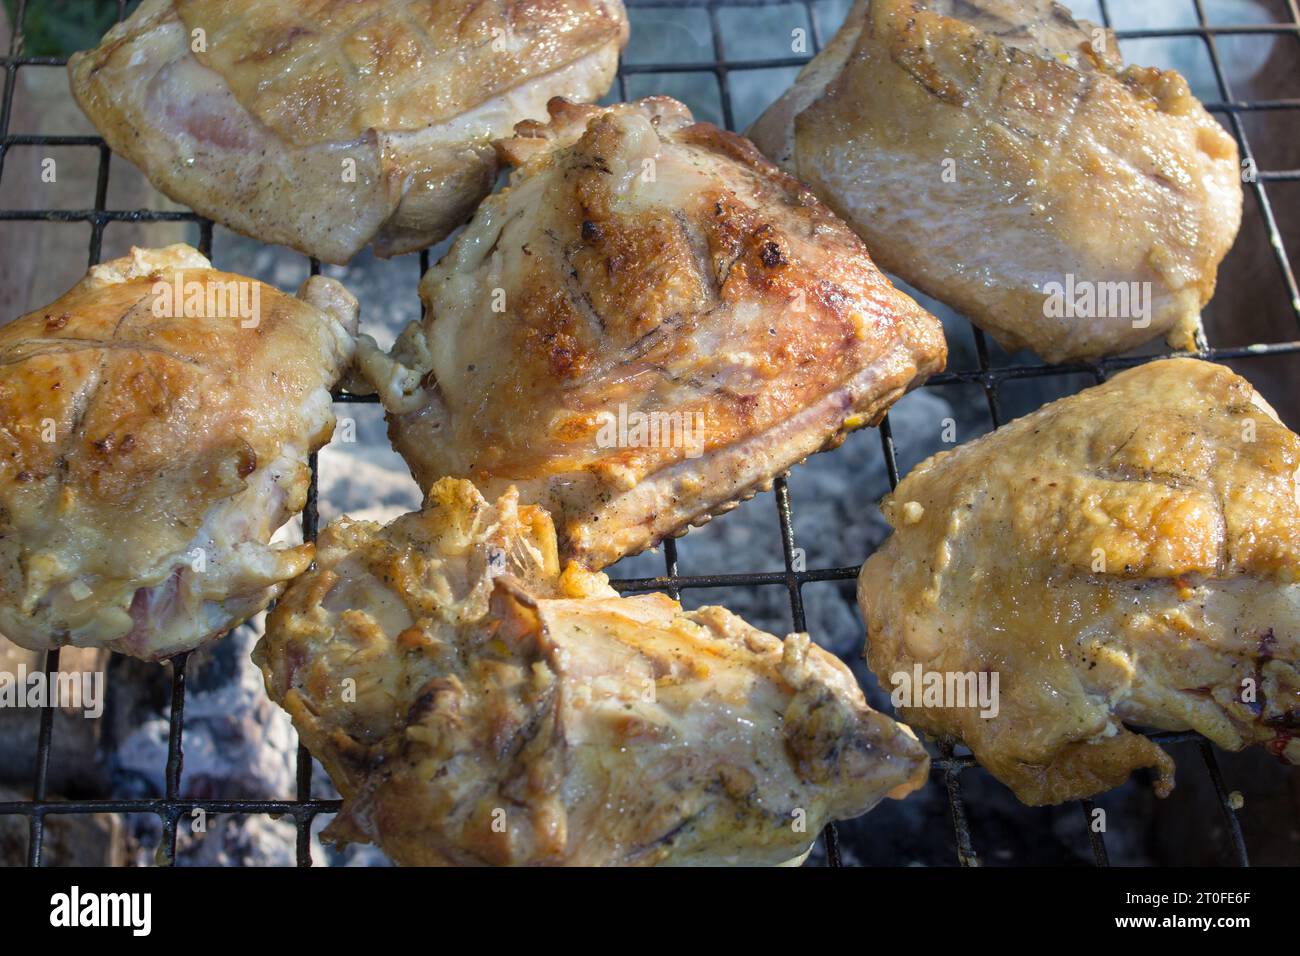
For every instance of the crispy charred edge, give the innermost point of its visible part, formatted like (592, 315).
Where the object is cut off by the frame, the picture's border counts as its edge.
(602, 23)
(1083, 768)
(906, 36)
(143, 262)
(83, 65)
(745, 154)
(291, 626)
(828, 737)
(569, 121)
(853, 421)
(535, 139)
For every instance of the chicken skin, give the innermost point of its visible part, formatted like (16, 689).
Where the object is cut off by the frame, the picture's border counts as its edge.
(329, 125)
(649, 324)
(476, 705)
(998, 155)
(1127, 555)
(155, 424)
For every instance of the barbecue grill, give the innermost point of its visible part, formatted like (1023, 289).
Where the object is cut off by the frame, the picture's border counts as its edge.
(988, 375)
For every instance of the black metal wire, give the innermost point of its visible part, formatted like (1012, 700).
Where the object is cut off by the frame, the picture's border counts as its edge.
(949, 765)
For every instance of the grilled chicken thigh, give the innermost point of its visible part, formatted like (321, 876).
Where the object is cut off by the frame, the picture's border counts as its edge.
(476, 705)
(999, 156)
(650, 323)
(155, 423)
(328, 125)
(1128, 555)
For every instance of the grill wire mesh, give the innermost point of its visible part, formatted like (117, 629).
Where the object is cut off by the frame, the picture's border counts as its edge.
(949, 766)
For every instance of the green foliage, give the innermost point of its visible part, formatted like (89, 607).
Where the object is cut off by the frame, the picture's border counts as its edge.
(61, 27)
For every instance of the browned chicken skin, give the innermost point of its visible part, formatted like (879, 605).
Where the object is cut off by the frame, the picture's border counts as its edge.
(1128, 555)
(147, 455)
(474, 705)
(649, 324)
(331, 124)
(998, 155)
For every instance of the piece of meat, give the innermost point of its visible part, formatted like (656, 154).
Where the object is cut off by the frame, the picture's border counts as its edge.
(330, 125)
(475, 705)
(1127, 555)
(999, 156)
(651, 323)
(155, 425)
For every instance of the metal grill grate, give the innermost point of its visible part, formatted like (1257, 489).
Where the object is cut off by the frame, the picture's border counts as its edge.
(949, 767)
